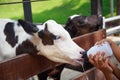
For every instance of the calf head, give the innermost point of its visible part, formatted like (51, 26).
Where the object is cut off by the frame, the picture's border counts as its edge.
(79, 25)
(53, 41)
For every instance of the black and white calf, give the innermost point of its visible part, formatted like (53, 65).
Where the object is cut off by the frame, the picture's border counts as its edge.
(78, 25)
(50, 40)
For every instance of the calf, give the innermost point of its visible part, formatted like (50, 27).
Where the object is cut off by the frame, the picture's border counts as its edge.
(50, 40)
(78, 25)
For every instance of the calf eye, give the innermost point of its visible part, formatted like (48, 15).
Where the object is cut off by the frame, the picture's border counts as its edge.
(58, 37)
(55, 37)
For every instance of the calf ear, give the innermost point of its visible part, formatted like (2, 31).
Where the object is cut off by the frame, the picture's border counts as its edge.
(28, 27)
(54, 37)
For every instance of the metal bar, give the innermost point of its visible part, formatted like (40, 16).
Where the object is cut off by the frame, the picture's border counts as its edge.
(93, 7)
(103, 23)
(113, 30)
(112, 18)
(89, 74)
(8, 3)
(111, 7)
(27, 11)
(118, 7)
(99, 8)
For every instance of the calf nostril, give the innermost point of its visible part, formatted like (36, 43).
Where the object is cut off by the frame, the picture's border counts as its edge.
(84, 54)
(81, 52)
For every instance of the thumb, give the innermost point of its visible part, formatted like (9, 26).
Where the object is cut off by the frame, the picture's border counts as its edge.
(107, 59)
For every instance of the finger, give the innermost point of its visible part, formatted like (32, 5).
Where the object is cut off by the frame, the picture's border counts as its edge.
(104, 40)
(100, 42)
(91, 56)
(107, 60)
(91, 59)
(101, 60)
(110, 65)
(97, 43)
(96, 56)
(102, 53)
(101, 56)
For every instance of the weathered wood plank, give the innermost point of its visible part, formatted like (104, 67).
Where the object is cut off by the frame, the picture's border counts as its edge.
(88, 40)
(23, 67)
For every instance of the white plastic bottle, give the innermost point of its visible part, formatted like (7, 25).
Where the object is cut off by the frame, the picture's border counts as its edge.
(104, 47)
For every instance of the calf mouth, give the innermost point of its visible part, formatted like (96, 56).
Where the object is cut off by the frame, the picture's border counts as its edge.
(83, 62)
(82, 59)
(77, 62)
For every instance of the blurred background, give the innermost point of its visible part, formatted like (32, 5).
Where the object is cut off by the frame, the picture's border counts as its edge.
(58, 10)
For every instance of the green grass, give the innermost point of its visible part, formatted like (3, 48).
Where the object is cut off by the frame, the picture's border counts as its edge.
(58, 10)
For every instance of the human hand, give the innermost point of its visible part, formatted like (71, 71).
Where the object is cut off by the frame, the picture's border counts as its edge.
(100, 62)
(103, 41)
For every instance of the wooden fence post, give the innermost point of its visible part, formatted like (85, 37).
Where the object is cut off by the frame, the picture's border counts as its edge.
(27, 10)
(96, 7)
(118, 10)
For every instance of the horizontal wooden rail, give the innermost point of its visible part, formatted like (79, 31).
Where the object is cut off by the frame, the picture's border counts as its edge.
(24, 66)
(88, 40)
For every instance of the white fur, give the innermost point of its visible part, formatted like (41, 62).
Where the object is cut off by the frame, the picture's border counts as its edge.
(71, 17)
(6, 51)
(64, 49)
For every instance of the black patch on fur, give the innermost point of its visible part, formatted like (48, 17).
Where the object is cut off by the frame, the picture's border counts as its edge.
(26, 47)
(47, 37)
(70, 28)
(10, 34)
(80, 25)
(28, 27)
